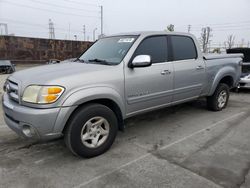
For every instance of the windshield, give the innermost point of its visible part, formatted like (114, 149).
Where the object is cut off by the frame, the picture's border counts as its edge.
(110, 51)
(4, 63)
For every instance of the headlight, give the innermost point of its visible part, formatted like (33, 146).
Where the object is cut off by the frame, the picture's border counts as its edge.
(5, 86)
(42, 94)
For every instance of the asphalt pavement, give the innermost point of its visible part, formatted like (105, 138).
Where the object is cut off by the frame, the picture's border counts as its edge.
(183, 146)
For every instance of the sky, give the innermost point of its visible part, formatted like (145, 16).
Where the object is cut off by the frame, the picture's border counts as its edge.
(31, 17)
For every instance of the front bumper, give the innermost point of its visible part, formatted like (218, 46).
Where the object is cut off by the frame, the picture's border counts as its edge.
(44, 124)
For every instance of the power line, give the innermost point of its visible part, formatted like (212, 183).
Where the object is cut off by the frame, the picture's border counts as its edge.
(228, 26)
(40, 25)
(24, 23)
(221, 27)
(214, 24)
(60, 6)
(80, 3)
(47, 10)
(224, 29)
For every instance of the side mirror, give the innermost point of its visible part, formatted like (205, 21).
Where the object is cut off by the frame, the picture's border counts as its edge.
(141, 61)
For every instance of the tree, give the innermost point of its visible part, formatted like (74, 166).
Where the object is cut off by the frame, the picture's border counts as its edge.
(217, 50)
(170, 28)
(205, 38)
(230, 41)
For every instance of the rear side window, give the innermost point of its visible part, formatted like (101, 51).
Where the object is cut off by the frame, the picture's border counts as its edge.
(183, 48)
(156, 47)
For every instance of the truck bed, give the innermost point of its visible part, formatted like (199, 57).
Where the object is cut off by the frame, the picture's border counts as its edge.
(222, 56)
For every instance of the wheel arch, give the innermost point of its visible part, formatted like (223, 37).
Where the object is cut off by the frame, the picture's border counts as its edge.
(101, 95)
(104, 101)
(226, 76)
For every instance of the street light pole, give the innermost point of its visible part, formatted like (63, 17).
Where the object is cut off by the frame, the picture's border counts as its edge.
(94, 34)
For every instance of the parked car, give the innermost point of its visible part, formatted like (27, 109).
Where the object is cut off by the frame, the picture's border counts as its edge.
(245, 77)
(118, 77)
(53, 61)
(245, 81)
(68, 60)
(56, 61)
(6, 67)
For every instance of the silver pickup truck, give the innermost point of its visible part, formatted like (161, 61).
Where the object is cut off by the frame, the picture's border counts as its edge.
(119, 76)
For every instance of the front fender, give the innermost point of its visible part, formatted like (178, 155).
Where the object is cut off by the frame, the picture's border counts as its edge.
(94, 93)
(223, 72)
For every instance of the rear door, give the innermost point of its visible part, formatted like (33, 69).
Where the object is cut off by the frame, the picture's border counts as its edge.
(150, 87)
(189, 69)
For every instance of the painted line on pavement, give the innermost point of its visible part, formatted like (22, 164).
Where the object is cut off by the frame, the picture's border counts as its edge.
(164, 147)
(3, 126)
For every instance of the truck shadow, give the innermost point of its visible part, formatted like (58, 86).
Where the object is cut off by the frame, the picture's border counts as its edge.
(12, 145)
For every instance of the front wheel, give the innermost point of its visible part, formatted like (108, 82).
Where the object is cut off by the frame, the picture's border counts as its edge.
(219, 99)
(91, 131)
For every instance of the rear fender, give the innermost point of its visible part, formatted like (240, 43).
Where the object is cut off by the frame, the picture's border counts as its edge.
(222, 73)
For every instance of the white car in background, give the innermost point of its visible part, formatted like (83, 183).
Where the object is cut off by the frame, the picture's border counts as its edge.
(245, 77)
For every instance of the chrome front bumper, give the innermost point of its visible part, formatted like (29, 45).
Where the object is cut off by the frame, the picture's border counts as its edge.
(44, 124)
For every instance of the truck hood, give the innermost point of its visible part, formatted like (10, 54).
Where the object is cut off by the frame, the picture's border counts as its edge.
(66, 74)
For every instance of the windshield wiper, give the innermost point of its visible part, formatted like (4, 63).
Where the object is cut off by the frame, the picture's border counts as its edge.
(100, 61)
(97, 60)
(80, 60)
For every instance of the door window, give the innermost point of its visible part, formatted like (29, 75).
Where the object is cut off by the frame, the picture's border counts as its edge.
(156, 47)
(183, 48)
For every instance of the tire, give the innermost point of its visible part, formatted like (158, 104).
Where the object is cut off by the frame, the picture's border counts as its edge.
(218, 101)
(87, 125)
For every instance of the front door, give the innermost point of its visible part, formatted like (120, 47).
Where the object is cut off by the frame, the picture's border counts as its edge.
(150, 87)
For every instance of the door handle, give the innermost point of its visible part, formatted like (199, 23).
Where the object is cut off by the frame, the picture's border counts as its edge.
(200, 67)
(166, 72)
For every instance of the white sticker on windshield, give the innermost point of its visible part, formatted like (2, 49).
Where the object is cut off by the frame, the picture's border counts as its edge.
(126, 40)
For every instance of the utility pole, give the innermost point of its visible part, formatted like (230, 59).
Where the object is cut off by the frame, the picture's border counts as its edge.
(69, 31)
(101, 21)
(94, 34)
(84, 32)
(51, 30)
(5, 28)
(189, 28)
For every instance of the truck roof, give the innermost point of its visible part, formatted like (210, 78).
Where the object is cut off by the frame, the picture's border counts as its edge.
(149, 33)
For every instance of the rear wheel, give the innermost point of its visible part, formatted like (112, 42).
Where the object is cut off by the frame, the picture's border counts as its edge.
(91, 131)
(219, 99)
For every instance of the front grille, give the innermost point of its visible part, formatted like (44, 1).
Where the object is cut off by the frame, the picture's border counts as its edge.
(12, 90)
